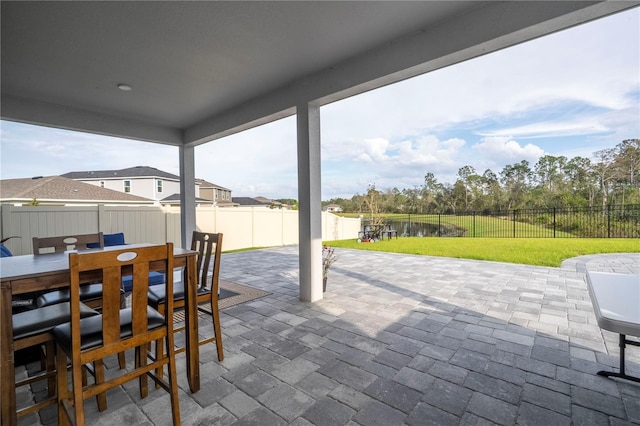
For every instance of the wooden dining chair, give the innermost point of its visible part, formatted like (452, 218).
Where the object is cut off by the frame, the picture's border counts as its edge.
(64, 243)
(90, 294)
(208, 246)
(33, 328)
(90, 340)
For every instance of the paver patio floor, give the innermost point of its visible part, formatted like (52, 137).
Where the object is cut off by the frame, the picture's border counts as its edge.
(402, 339)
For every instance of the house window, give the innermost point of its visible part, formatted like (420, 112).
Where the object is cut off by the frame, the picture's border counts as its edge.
(127, 186)
(159, 185)
(101, 184)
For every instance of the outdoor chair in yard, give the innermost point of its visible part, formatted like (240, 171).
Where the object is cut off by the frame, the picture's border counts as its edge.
(90, 340)
(207, 245)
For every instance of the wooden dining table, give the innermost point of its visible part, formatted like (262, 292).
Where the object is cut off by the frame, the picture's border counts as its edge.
(25, 274)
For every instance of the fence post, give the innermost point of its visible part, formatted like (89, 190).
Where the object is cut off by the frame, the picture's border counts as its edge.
(439, 226)
(409, 225)
(554, 222)
(474, 224)
(102, 219)
(514, 223)
(5, 221)
(609, 221)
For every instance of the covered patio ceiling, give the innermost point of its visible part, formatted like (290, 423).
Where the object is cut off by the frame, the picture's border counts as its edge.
(202, 70)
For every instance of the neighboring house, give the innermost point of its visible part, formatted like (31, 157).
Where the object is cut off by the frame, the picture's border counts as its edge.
(144, 181)
(274, 204)
(210, 191)
(58, 190)
(249, 202)
(333, 208)
(152, 183)
(174, 200)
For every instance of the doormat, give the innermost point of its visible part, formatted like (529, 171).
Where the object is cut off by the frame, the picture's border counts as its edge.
(231, 294)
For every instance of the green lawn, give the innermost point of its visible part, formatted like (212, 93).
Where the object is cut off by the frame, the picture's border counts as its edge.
(529, 251)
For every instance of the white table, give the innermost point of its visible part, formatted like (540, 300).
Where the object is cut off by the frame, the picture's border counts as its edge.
(616, 302)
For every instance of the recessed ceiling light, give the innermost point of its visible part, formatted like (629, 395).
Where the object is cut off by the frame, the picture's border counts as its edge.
(125, 87)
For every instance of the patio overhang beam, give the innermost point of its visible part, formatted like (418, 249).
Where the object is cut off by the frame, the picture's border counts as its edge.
(464, 37)
(36, 112)
(483, 29)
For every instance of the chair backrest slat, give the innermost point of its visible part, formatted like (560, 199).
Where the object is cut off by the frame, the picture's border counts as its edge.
(208, 246)
(110, 302)
(139, 298)
(67, 242)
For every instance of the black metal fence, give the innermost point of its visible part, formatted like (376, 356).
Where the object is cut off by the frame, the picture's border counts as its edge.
(611, 222)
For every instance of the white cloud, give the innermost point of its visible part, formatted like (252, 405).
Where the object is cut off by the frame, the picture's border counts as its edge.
(401, 164)
(595, 65)
(503, 150)
(428, 150)
(585, 126)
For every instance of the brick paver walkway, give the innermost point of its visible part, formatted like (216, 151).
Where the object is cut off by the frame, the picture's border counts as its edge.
(402, 339)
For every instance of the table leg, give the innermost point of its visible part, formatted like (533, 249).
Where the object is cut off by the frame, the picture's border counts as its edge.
(191, 325)
(7, 366)
(622, 374)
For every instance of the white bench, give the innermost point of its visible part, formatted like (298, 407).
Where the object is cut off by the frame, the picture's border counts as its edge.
(616, 302)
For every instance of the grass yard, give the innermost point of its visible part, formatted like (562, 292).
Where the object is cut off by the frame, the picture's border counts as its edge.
(529, 251)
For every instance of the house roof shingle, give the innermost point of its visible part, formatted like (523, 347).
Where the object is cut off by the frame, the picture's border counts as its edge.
(248, 201)
(131, 172)
(204, 184)
(175, 198)
(61, 188)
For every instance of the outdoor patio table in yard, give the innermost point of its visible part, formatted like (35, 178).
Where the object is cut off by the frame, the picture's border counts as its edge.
(29, 273)
(616, 302)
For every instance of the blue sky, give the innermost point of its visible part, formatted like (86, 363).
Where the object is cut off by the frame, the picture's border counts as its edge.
(571, 93)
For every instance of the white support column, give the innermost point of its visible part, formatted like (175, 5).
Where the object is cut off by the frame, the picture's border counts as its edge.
(187, 194)
(309, 195)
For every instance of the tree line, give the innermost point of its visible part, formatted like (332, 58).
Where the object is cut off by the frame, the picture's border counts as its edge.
(612, 177)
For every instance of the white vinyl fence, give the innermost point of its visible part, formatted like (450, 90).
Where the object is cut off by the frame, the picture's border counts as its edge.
(242, 227)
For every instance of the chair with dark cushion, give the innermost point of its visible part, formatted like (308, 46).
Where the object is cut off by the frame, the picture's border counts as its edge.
(117, 239)
(92, 339)
(91, 294)
(33, 328)
(207, 245)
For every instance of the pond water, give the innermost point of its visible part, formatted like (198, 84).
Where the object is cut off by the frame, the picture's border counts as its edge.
(413, 229)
